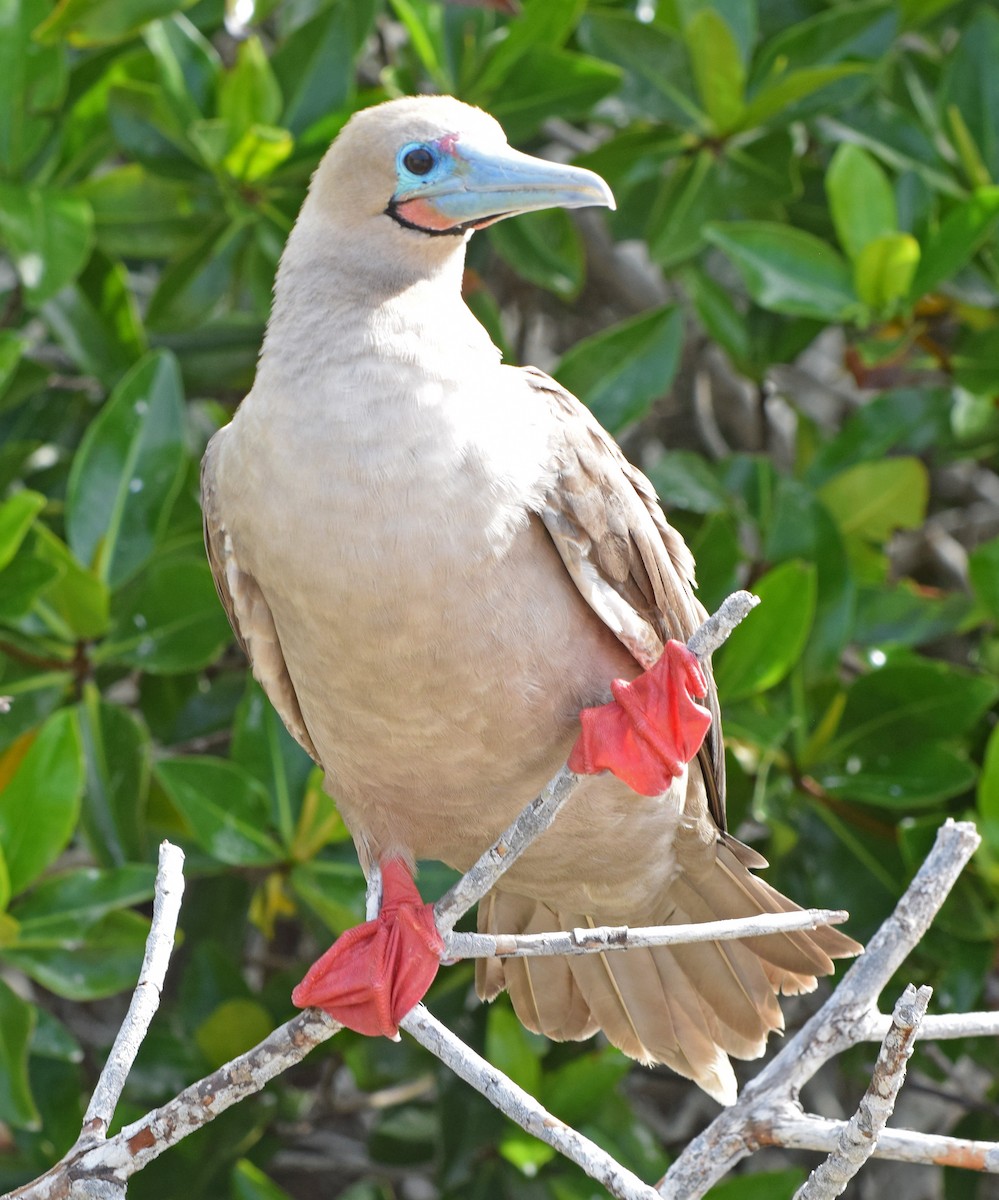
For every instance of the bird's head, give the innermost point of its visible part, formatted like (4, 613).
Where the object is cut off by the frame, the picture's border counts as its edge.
(430, 169)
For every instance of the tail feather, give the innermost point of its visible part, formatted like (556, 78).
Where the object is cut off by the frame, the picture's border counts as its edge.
(687, 1006)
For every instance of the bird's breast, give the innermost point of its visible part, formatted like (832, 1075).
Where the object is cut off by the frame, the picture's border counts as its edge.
(438, 648)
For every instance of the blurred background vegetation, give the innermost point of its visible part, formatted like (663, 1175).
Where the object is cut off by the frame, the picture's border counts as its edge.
(791, 322)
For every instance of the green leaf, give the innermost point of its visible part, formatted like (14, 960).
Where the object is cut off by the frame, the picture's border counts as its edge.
(988, 789)
(75, 900)
(117, 756)
(911, 702)
(32, 81)
(620, 372)
(959, 236)
(983, 567)
(976, 363)
(884, 270)
(718, 70)
(718, 314)
(75, 604)
(787, 270)
(99, 22)
(765, 1185)
(550, 83)
(17, 1025)
(544, 23)
(915, 777)
(334, 891)
(544, 248)
(314, 67)
(127, 471)
(764, 648)
(168, 619)
(101, 961)
(861, 199)
(48, 235)
(227, 809)
(250, 1183)
(233, 1028)
(40, 801)
(684, 480)
(249, 94)
(873, 499)
(97, 320)
(777, 96)
(512, 1049)
(262, 744)
(17, 515)
(258, 153)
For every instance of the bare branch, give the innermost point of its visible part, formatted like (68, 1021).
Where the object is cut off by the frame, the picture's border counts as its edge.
(789, 1127)
(860, 1135)
(844, 1020)
(940, 1028)
(521, 1107)
(623, 937)
(732, 610)
(145, 998)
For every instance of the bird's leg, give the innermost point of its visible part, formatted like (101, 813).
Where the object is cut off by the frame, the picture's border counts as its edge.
(373, 975)
(651, 730)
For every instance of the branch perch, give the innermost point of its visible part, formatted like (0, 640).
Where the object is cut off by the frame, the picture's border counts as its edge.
(765, 1114)
(859, 1138)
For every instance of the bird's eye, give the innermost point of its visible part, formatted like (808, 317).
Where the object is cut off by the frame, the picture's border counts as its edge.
(419, 161)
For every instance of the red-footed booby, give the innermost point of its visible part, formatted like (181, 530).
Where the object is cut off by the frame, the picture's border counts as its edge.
(434, 563)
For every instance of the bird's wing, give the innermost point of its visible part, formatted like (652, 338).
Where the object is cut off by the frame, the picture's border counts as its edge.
(629, 564)
(248, 612)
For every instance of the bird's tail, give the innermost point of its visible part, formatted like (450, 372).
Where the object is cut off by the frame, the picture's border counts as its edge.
(688, 1006)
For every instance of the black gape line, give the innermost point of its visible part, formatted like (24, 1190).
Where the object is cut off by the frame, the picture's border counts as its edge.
(392, 210)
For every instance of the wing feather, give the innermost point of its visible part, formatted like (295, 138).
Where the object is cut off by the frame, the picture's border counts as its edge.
(247, 609)
(629, 564)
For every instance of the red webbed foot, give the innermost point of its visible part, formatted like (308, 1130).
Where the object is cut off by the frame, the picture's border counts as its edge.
(652, 729)
(372, 976)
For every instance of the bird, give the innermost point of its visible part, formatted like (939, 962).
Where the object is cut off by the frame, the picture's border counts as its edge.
(435, 562)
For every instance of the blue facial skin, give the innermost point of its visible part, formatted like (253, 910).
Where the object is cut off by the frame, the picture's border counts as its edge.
(466, 186)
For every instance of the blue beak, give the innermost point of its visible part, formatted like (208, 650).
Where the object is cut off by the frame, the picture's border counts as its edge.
(468, 188)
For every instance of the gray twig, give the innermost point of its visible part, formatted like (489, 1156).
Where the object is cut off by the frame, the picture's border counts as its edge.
(145, 998)
(860, 1134)
(623, 937)
(522, 1108)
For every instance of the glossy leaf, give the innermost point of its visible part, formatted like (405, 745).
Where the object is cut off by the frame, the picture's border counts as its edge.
(168, 619)
(911, 702)
(959, 236)
(544, 248)
(787, 270)
(861, 200)
(76, 965)
(40, 799)
(117, 756)
(619, 373)
(225, 807)
(983, 567)
(232, 1029)
(249, 94)
(17, 515)
(48, 236)
(872, 500)
(884, 270)
(128, 470)
(717, 66)
(902, 780)
(17, 1024)
(97, 22)
(765, 647)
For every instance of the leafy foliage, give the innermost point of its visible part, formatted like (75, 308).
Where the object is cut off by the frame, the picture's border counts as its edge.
(802, 176)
